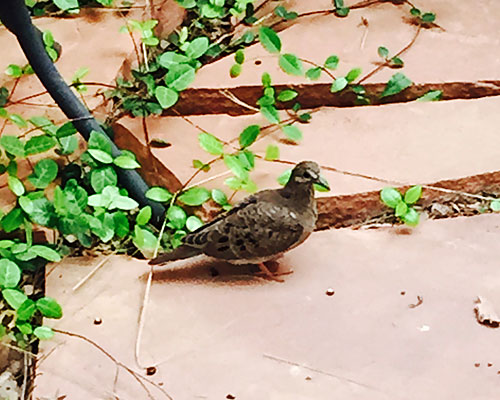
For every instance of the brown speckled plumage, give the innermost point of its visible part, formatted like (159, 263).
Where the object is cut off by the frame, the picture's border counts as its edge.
(261, 227)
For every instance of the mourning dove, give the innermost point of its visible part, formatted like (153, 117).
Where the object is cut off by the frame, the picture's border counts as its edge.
(260, 228)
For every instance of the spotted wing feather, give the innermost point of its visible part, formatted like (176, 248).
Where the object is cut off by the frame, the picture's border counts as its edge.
(253, 230)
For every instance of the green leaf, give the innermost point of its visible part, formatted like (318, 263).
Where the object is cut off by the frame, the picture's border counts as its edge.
(166, 97)
(68, 144)
(10, 274)
(332, 62)
(193, 223)
(180, 76)
(353, 74)
(39, 144)
(291, 64)
(12, 145)
(26, 310)
(159, 194)
(18, 120)
(390, 197)
(235, 165)
(143, 239)
(43, 332)
(14, 298)
(195, 196)
(239, 56)
(15, 185)
(171, 58)
(338, 85)
(269, 39)
(49, 307)
(219, 197)
(123, 203)
(413, 194)
(14, 70)
(429, 17)
(272, 152)
(80, 73)
(313, 73)
(285, 177)
(234, 183)
(197, 47)
(66, 130)
(396, 84)
(103, 177)
(415, 11)
(383, 52)
(248, 136)
(177, 217)
(122, 226)
(401, 209)
(292, 132)
(210, 144)
(67, 5)
(45, 252)
(431, 95)
(287, 95)
(396, 62)
(101, 156)
(44, 173)
(495, 205)
(235, 70)
(342, 12)
(24, 327)
(266, 79)
(411, 217)
(126, 162)
(13, 220)
(144, 215)
(99, 141)
(271, 114)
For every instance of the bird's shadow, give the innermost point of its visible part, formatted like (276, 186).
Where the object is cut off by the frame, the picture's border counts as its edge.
(212, 272)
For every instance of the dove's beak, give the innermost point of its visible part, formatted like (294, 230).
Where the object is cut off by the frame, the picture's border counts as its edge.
(323, 183)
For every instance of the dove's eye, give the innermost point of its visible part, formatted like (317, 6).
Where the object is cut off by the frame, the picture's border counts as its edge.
(310, 175)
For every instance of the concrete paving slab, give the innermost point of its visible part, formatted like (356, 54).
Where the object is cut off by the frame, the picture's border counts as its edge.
(409, 143)
(437, 56)
(211, 337)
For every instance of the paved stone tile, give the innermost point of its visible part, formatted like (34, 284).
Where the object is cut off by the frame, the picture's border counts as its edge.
(213, 336)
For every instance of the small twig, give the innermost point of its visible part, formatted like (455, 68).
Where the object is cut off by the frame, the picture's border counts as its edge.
(203, 181)
(139, 377)
(420, 300)
(325, 70)
(319, 371)
(226, 93)
(197, 172)
(29, 353)
(386, 63)
(145, 301)
(25, 376)
(87, 277)
(364, 22)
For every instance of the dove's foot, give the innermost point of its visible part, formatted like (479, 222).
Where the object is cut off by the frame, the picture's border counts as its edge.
(273, 276)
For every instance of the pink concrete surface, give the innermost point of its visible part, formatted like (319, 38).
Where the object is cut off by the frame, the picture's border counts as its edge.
(210, 337)
(463, 51)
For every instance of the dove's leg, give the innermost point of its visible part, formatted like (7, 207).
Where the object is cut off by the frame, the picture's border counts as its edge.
(272, 275)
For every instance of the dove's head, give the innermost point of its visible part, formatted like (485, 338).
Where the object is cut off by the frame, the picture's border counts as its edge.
(308, 172)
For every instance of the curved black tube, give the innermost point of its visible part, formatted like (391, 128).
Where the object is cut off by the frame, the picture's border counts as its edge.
(15, 16)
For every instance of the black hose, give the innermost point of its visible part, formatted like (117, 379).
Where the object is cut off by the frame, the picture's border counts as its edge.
(15, 16)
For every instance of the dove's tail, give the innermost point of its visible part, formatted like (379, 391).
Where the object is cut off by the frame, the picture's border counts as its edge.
(180, 253)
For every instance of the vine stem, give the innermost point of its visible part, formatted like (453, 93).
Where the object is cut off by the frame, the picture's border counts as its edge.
(400, 52)
(137, 376)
